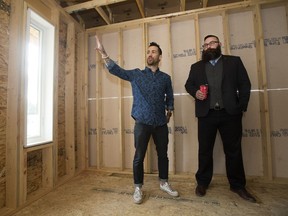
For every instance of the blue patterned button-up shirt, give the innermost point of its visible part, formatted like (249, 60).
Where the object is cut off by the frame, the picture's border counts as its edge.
(152, 93)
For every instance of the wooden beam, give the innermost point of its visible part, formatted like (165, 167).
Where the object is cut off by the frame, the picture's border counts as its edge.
(56, 23)
(103, 15)
(98, 111)
(22, 110)
(182, 5)
(82, 105)
(197, 37)
(69, 100)
(15, 68)
(90, 4)
(148, 158)
(110, 12)
(81, 21)
(141, 7)
(226, 31)
(172, 119)
(47, 167)
(120, 103)
(263, 96)
(204, 3)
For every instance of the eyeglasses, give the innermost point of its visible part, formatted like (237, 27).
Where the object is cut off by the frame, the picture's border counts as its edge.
(211, 43)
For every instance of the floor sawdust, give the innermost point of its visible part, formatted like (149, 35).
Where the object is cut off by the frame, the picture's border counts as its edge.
(101, 193)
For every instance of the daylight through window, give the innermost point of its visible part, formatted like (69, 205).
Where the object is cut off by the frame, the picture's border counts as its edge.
(39, 79)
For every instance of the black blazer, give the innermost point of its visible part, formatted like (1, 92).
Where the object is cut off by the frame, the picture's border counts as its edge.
(236, 86)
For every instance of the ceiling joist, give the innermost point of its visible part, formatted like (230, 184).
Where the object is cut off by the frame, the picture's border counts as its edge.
(104, 16)
(182, 5)
(141, 7)
(204, 3)
(90, 4)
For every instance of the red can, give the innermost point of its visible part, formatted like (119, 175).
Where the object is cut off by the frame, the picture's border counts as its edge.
(204, 89)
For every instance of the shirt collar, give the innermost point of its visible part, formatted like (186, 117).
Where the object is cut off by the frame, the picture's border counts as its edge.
(148, 69)
(214, 61)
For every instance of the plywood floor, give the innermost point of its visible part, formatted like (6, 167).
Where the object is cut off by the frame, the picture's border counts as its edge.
(102, 193)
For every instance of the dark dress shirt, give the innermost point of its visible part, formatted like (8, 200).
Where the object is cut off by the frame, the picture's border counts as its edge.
(152, 93)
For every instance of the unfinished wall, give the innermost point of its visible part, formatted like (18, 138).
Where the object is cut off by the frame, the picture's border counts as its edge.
(244, 45)
(34, 171)
(29, 173)
(4, 53)
(248, 31)
(276, 48)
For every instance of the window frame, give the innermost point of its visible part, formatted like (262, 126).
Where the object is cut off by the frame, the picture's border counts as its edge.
(46, 73)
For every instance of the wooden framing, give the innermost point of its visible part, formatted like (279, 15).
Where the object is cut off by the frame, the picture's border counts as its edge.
(141, 7)
(120, 104)
(223, 11)
(197, 36)
(265, 118)
(103, 14)
(16, 168)
(15, 66)
(171, 124)
(226, 31)
(182, 5)
(98, 111)
(76, 75)
(201, 12)
(147, 161)
(56, 20)
(90, 4)
(69, 100)
(82, 106)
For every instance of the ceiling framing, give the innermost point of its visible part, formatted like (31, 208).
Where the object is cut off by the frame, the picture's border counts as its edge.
(95, 13)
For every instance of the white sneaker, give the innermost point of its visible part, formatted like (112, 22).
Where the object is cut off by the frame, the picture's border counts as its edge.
(138, 195)
(167, 188)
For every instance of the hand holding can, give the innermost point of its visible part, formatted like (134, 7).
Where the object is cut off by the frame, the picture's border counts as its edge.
(204, 90)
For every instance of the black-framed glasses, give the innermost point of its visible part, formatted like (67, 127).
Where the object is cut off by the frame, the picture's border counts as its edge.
(211, 43)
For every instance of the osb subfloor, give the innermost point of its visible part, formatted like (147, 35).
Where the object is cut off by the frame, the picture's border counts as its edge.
(102, 193)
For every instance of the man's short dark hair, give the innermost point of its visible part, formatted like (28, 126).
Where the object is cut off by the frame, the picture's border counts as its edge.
(155, 44)
(211, 36)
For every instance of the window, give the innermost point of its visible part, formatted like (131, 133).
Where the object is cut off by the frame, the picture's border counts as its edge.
(39, 70)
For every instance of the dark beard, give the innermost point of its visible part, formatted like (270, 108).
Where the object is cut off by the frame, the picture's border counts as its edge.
(153, 63)
(211, 54)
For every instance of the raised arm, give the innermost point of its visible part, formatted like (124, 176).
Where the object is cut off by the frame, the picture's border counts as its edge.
(100, 48)
(111, 65)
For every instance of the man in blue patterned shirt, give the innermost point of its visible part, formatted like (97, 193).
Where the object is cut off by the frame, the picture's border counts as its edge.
(153, 103)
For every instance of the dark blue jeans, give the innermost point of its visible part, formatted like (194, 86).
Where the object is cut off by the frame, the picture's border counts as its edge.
(142, 134)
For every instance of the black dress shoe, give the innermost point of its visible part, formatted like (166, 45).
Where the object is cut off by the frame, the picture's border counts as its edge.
(200, 190)
(244, 194)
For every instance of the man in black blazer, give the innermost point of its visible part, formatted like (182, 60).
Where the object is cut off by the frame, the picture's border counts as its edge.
(220, 110)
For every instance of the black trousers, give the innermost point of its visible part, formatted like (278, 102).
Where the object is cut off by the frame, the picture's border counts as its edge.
(142, 134)
(230, 129)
